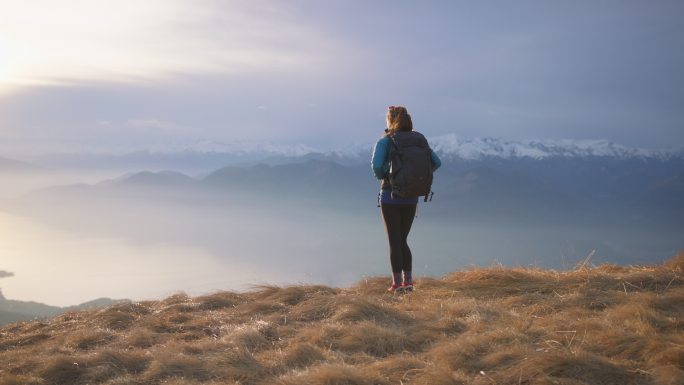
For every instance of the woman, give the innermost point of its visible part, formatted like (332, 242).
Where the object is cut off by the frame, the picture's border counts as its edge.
(397, 213)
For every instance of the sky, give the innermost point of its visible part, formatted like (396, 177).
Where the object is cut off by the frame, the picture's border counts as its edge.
(99, 75)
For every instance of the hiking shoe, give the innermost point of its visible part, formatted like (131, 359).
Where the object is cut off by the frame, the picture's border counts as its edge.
(407, 286)
(396, 289)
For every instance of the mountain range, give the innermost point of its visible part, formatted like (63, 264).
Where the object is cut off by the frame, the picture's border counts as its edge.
(627, 202)
(206, 155)
(478, 148)
(625, 187)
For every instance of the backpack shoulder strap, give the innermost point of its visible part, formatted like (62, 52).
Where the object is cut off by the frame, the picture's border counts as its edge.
(396, 143)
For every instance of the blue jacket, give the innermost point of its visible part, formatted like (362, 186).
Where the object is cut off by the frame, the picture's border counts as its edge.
(381, 165)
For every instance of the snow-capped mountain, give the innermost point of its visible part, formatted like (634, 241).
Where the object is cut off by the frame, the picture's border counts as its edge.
(208, 155)
(451, 146)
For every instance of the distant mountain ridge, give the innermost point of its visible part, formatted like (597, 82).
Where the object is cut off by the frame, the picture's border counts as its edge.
(478, 148)
(627, 207)
(449, 145)
(560, 189)
(208, 155)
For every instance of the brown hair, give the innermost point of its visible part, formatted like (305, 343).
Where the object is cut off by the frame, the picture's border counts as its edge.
(398, 119)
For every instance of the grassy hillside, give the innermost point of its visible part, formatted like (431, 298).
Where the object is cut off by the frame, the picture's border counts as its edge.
(604, 325)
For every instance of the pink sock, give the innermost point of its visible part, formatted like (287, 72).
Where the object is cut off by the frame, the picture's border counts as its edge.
(396, 279)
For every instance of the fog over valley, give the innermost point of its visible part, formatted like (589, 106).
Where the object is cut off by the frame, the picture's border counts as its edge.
(74, 234)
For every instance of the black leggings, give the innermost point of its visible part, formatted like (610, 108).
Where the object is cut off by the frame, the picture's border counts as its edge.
(398, 220)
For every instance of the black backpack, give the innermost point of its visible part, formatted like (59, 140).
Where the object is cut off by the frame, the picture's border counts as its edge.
(410, 174)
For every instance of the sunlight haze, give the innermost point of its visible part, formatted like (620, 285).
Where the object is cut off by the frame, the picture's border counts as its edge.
(73, 42)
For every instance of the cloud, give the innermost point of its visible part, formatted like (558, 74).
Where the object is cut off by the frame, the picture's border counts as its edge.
(139, 73)
(67, 42)
(5, 274)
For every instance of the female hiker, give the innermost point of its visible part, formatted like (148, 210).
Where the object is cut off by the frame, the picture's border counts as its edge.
(404, 162)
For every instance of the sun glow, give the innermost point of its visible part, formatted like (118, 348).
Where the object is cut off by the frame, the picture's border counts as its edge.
(47, 42)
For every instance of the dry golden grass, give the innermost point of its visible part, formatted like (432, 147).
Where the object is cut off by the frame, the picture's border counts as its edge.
(605, 325)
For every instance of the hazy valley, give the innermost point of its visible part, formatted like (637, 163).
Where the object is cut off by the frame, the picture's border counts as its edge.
(312, 218)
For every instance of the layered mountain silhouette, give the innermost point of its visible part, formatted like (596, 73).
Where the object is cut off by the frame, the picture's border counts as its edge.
(558, 189)
(207, 155)
(514, 208)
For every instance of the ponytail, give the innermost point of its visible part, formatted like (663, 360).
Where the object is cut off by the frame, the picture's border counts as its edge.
(398, 119)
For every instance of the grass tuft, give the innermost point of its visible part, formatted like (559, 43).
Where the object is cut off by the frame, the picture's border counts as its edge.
(13, 379)
(302, 355)
(166, 366)
(90, 339)
(329, 375)
(220, 300)
(63, 370)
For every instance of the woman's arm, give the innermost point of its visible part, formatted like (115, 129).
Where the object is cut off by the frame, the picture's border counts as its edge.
(379, 160)
(436, 162)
